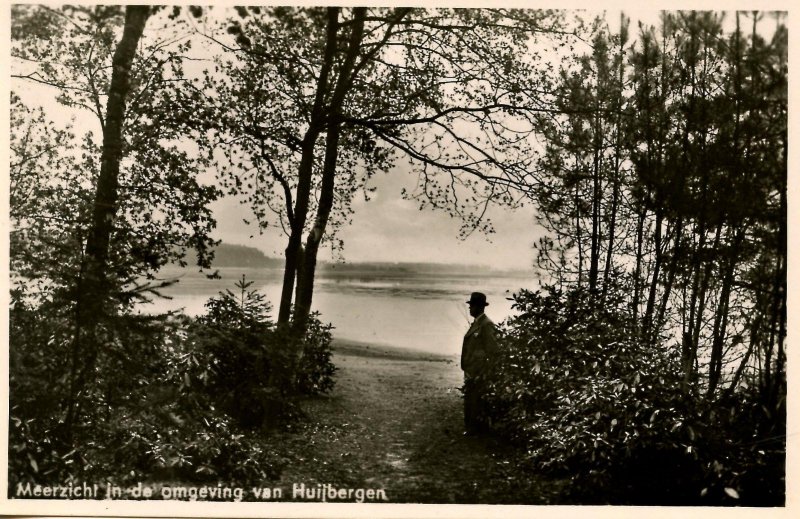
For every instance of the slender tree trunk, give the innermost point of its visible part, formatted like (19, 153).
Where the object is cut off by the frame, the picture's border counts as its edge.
(777, 336)
(700, 280)
(721, 320)
(696, 324)
(649, 326)
(612, 226)
(294, 248)
(777, 323)
(637, 282)
(672, 271)
(780, 282)
(695, 319)
(755, 339)
(579, 231)
(594, 258)
(687, 165)
(695, 287)
(93, 285)
(305, 284)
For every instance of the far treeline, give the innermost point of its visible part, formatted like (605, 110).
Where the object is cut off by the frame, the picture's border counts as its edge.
(232, 255)
(650, 368)
(229, 255)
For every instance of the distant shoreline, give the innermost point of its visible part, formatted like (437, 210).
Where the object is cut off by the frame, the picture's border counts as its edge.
(228, 255)
(364, 349)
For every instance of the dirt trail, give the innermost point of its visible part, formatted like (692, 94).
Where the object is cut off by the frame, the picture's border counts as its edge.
(396, 423)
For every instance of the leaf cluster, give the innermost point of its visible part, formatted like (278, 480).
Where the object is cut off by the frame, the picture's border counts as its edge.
(451, 90)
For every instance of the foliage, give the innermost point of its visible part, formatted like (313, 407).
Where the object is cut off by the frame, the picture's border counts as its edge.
(162, 207)
(172, 398)
(422, 80)
(315, 370)
(586, 398)
(667, 162)
(106, 213)
(49, 203)
(37, 354)
(577, 388)
(254, 367)
(741, 446)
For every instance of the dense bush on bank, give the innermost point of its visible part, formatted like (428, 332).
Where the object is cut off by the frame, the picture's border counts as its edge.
(171, 397)
(590, 401)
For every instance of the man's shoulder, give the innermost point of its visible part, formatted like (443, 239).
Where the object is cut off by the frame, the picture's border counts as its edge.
(485, 321)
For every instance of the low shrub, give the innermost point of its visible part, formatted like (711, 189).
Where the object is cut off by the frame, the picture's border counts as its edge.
(741, 448)
(315, 370)
(586, 399)
(254, 367)
(38, 381)
(583, 396)
(171, 398)
(150, 419)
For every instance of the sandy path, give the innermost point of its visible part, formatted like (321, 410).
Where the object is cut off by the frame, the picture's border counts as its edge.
(394, 421)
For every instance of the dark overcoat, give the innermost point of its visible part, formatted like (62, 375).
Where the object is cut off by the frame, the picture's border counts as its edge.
(479, 347)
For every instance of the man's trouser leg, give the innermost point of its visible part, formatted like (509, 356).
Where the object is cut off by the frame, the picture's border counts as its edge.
(471, 406)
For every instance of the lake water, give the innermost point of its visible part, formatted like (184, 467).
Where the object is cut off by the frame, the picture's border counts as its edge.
(418, 310)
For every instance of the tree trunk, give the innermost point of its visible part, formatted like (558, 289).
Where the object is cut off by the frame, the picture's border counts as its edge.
(617, 153)
(651, 298)
(721, 321)
(780, 281)
(612, 226)
(594, 258)
(578, 230)
(305, 282)
(93, 285)
(696, 324)
(305, 278)
(305, 171)
(755, 339)
(687, 345)
(777, 322)
(671, 273)
(637, 284)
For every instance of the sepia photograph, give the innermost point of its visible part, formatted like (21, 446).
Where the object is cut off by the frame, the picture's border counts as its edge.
(359, 258)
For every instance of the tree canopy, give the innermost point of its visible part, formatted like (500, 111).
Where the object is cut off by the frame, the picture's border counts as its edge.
(310, 103)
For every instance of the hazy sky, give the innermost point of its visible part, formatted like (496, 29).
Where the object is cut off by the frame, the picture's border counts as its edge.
(389, 228)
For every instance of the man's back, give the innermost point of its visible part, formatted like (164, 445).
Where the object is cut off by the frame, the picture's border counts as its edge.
(479, 346)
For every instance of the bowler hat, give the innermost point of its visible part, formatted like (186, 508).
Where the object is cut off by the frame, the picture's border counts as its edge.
(477, 298)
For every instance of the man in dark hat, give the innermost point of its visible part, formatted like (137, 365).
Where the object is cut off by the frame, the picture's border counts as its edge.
(480, 346)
